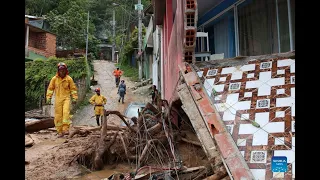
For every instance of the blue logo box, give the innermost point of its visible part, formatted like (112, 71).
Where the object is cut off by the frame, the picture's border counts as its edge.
(279, 164)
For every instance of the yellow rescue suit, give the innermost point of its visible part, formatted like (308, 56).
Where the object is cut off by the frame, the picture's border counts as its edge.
(63, 88)
(99, 101)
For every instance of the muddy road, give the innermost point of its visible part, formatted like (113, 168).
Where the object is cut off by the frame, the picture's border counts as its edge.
(52, 158)
(49, 155)
(106, 82)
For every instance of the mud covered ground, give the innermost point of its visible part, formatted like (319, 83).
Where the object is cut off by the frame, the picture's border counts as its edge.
(49, 157)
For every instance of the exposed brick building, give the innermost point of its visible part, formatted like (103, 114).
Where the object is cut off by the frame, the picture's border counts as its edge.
(39, 41)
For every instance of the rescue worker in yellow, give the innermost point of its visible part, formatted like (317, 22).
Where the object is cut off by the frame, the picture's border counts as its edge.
(98, 101)
(64, 87)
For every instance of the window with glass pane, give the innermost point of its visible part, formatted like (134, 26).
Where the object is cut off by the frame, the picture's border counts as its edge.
(283, 26)
(221, 34)
(257, 27)
(293, 20)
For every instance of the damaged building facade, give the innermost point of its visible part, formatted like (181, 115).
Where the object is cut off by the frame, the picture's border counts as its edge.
(234, 61)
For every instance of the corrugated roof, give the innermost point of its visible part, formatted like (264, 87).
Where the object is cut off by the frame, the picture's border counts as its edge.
(38, 29)
(33, 17)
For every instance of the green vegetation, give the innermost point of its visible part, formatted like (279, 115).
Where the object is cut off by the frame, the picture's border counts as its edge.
(68, 19)
(34, 56)
(131, 72)
(39, 72)
(83, 103)
(129, 47)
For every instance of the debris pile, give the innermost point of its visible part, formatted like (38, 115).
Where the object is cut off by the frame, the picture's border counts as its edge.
(151, 144)
(156, 147)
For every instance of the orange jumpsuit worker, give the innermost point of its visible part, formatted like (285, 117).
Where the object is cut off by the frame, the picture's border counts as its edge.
(64, 87)
(98, 101)
(117, 74)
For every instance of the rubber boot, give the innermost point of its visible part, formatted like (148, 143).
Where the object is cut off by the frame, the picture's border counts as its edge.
(97, 118)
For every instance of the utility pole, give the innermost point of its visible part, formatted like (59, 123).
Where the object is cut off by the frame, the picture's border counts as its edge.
(139, 40)
(27, 42)
(87, 38)
(113, 33)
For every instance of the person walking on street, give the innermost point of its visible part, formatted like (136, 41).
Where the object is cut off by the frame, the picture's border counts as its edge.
(98, 101)
(122, 91)
(154, 94)
(101, 56)
(63, 86)
(117, 74)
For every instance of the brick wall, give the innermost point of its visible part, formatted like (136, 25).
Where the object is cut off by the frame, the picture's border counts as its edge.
(51, 44)
(40, 52)
(42, 43)
(33, 36)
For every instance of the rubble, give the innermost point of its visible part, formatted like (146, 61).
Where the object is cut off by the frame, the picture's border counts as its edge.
(28, 141)
(142, 83)
(150, 139)
(154, 146)
(35, 121)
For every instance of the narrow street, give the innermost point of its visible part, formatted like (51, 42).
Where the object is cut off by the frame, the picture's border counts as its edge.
(103, 74)
(51, 157)
(48, 157)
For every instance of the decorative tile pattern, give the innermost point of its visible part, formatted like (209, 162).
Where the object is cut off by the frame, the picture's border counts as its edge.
(217, 98)
(281, 91)
(280, 114)
(258, 157)
(282, 71)
(234, 86)
(248, 94)
(278, 175)
(263, 103)
(244, 116)
(279, 141)
(200, 73)
(251, 75)
(230, 128)
(266, 95)
(212, 72)
(266, 65)
(242, 153)
(264, 83)
(293, 126)
(241, 142)
(222, 79)
(292, 80)
(259, 174)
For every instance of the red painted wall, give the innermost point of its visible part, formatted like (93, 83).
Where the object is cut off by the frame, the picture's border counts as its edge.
(173, 47)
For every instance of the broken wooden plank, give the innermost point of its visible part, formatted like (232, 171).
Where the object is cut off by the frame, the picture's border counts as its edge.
(188, 170)
(191, 142)
(87, 128)
(37, 125)
(36, 116)
(30, 122)
(95, 128)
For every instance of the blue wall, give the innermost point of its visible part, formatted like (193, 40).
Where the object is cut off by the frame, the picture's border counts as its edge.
(213, 12)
